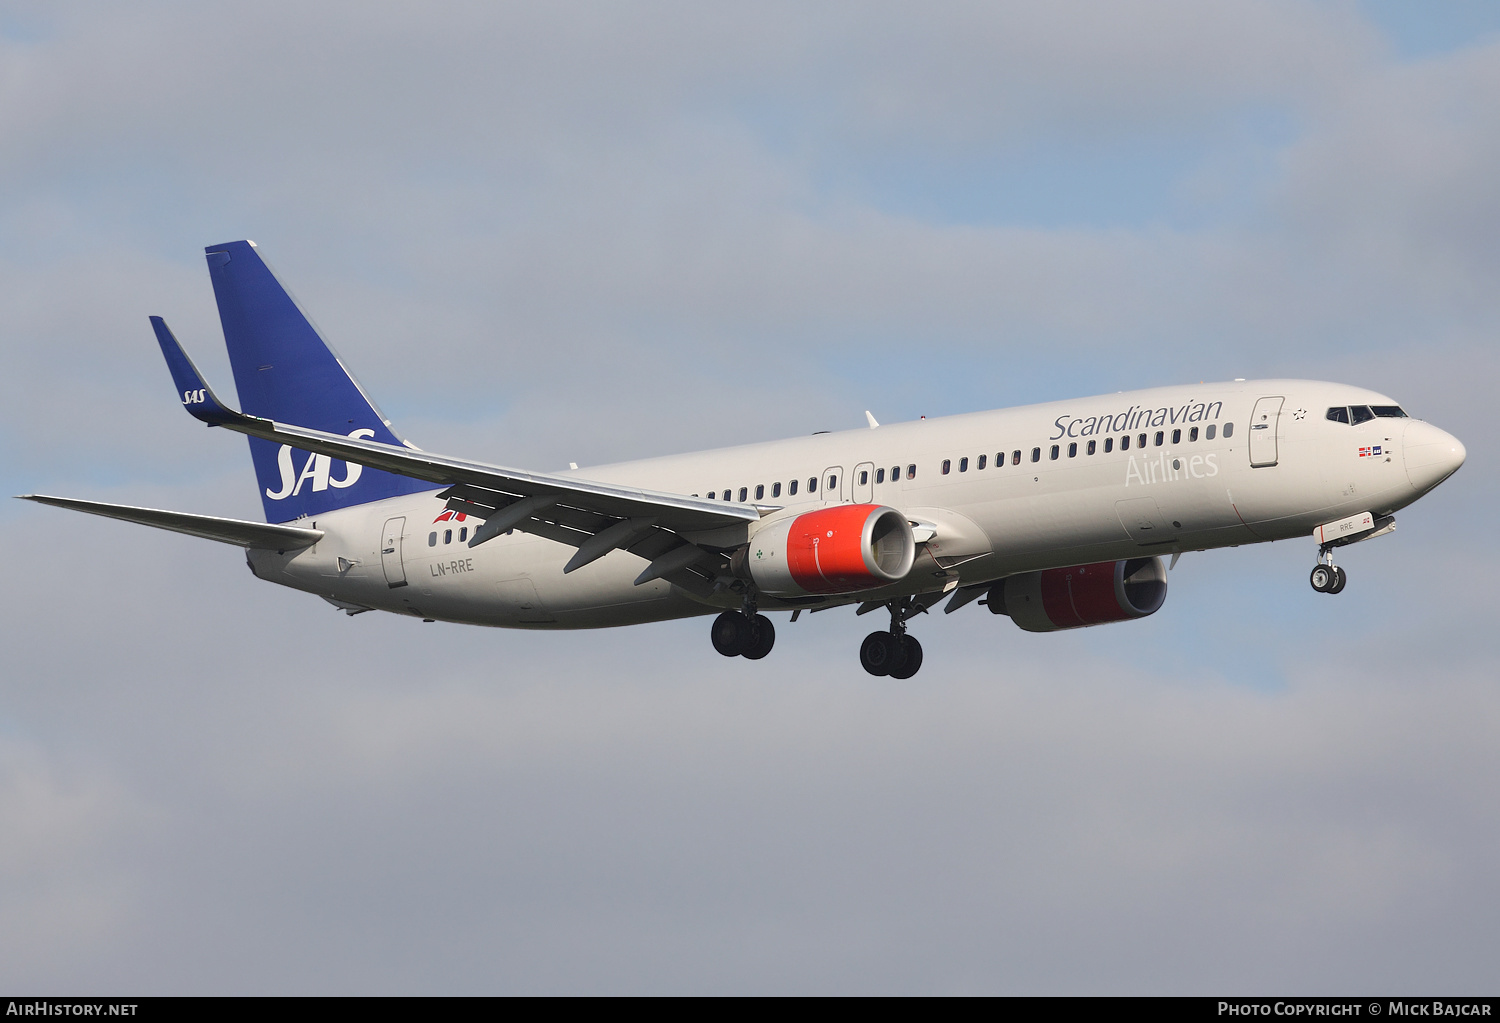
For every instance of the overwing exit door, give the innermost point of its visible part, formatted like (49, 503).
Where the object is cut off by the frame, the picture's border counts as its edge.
(862, 486)
(1263, 423)
(832, 483)
(390, 552)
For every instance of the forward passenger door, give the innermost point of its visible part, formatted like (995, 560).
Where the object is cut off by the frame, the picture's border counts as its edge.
(1263, 423)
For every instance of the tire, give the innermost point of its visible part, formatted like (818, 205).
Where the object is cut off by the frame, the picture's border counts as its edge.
(876, 652)
(762, 638)
(730, 633)
(1322, 578)
(910, 658)
(1341, 579)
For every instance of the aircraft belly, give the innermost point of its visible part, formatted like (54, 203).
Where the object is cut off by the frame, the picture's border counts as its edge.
(520, 583)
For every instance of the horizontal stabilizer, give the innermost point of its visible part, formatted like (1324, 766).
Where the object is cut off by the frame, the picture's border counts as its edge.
(260, 535)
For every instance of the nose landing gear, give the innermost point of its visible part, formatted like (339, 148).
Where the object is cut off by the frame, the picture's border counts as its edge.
(1326, 576)
(893, 653)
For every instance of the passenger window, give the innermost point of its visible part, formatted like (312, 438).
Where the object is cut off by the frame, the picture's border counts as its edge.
(463, 534)
(1360, 414)
(880, 475)
(713, 495)
(1109, 444)
(743, 494)
(1054, 452)
(728, 494)
(775, 489)
(1192, 435)
(1140, 441)
(812, 484)
(1015, 457)
(911, 471)
(1073, 449)
(947, 465)
(895, 473)
(963, 465)
(1228, 431)
(1160, 436)
(864, 476)
(447, 536)
(432, 539)
(791, 489)
(760, 491)
(833, 483)
(1125, 443)
(1389, 411)
(1176, 436)
(1036, 454)
(980, 465)
(1208, 432)
(1092, 445)
(1338, 415)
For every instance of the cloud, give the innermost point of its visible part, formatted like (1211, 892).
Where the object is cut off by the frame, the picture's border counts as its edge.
(587, 233)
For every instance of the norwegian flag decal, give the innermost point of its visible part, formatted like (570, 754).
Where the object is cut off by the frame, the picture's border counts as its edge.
(453, 516)
(1369, 452)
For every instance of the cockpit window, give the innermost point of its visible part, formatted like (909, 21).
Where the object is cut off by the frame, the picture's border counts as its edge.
(1338, 415)
(1388, 411)
(1360, 414)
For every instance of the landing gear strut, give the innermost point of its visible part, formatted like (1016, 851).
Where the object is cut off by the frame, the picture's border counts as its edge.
(893, 653)
(1326, 576)
(744, 633)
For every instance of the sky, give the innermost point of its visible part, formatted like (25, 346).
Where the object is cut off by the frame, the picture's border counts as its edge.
(575, 232)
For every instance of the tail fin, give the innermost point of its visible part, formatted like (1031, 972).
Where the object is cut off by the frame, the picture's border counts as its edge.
(285, 371)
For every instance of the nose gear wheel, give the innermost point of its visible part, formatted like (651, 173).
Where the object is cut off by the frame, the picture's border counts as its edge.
(1327, 577)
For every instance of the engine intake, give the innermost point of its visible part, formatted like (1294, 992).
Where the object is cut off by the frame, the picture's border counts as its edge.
(1070, 598)
(839, 549)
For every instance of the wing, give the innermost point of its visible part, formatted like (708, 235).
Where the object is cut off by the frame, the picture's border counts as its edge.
(261, 535)
(677, 534)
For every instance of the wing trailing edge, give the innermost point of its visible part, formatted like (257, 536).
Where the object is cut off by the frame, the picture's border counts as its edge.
(676, 512)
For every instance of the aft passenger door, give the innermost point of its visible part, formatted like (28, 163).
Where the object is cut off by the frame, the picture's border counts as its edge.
(390, 552)
(1263, 423)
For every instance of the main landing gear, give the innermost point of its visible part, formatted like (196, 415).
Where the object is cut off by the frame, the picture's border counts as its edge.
(893, 653)
(1326, 576)
(743, 634)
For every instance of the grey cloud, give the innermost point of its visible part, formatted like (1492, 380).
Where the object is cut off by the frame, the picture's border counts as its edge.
(358, 805)
(552, 234)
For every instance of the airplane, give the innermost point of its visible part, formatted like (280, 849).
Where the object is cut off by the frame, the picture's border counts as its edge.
(1056, 515)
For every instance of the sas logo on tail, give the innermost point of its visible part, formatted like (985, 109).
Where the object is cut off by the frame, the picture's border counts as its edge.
(317, 468)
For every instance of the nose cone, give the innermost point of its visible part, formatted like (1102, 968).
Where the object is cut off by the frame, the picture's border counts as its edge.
(1432, 455)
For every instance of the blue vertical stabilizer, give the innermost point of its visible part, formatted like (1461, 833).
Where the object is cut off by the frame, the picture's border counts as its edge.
(285, 371)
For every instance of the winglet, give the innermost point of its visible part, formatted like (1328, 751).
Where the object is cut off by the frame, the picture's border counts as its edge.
(197, 397)
(871, 419)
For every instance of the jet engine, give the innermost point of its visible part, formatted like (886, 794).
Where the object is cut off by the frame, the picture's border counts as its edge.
(839, 549)
(1069, 598)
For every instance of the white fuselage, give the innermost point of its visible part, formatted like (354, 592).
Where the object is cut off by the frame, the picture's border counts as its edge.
(988, 519)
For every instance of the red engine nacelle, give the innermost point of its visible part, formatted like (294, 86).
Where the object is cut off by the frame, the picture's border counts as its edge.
(839, 549)
(1069, 598)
